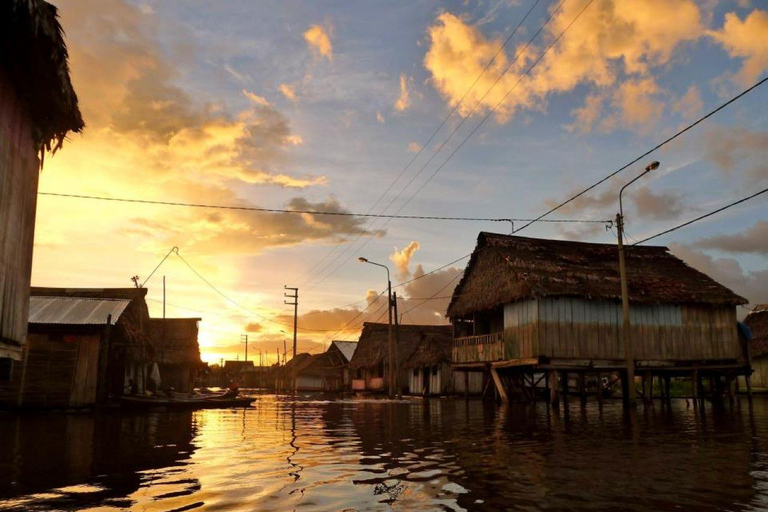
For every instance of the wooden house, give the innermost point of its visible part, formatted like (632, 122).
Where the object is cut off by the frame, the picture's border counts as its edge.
(429, 368)
(83, 346)
(38, 107)
(527, 305)
(177, 352)
(757, 321)
(369, 363)
(341, 353)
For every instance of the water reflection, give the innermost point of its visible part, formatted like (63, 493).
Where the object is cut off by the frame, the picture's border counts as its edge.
(366, 455)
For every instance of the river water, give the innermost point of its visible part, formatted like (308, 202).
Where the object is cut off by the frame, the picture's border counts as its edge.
(313, 454)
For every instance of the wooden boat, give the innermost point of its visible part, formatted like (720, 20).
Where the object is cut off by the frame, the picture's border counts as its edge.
(213, 401)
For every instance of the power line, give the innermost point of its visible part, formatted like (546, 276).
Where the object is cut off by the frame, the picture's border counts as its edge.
(428, 142)
(312, 212)
(485, 118)
(658, 146)
(702, 217)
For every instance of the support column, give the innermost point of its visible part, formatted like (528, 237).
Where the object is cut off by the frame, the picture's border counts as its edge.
(600, 389)
(564, 383)
(499, 385)
(554, 399)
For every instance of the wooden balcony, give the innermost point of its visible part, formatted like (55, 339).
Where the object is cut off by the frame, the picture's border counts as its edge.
(485, 348)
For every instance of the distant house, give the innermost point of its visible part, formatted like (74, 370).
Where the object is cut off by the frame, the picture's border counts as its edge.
(283, 375)
(430, 371)
(243, 373)
(341, 353)
(84, 345)
(369, 363)
(757, 321)
(38, 107)
(529, 305)
(177, 352)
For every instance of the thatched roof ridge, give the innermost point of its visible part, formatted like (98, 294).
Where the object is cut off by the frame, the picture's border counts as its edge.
(372, 347)
(507, 268)
(34, 57)
(434, 349)
(757, 320)
(175, 340)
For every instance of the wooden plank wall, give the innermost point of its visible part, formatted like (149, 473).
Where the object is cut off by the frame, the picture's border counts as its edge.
(521, 335)
(50, 371)
(19, 172)
(581, 329)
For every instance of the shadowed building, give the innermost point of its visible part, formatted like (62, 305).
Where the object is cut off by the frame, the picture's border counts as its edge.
(757, 320)
(430, 371)
(528, 305)
(38, 107)
(177, 352)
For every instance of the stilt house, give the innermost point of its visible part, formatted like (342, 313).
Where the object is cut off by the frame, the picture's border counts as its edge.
(38, 107)
(527, 305)
(757, 321)
(369, 364)
(83, 346)
(429, 367)
(177, 352)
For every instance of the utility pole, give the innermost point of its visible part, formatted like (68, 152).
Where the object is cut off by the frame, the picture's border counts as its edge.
(295, 304)
(244, 339)
(163, 297)
(397, 336)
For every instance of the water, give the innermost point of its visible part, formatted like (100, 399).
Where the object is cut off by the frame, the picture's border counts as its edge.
(368, 455)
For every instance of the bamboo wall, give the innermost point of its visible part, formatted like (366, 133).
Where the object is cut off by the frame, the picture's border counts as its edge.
(18, 200)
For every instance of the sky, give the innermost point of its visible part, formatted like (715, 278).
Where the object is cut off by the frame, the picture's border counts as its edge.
(335, 106)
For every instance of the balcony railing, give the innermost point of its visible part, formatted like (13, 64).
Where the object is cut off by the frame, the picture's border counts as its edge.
(479, 349)
(496, 337)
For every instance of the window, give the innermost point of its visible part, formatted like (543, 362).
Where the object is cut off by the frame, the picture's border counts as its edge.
(6, 369)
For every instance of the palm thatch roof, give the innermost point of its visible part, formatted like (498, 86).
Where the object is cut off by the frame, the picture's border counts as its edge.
(434, 348)
(372, 347)
(34, 59)
(319, 365)
(506, 268)
(757, 320)
(175, 340)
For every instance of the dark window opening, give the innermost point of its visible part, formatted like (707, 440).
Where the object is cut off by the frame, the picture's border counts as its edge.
(6, 369)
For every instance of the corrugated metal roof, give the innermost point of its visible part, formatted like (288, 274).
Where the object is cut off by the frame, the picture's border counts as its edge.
(75, 310)
(347, 348)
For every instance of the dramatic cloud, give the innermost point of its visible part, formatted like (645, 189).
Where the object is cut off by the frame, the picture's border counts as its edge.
(745, 39)
(402, 259)
(319, 41)
(752, 241)
(288, 91)
(253, 327)
(404, 100)
(610, 37)
(728, 272)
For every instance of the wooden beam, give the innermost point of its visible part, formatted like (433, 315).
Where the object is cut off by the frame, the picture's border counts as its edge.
(499, 385)
(516, 362)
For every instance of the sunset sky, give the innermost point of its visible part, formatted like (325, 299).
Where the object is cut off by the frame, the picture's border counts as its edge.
(321, 105)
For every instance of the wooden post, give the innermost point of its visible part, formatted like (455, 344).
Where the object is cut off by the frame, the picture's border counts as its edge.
(499, 385)
(668, 387)
(564, 383)
(650, 391)
(466, 384)
(695, 387)
(600, 389)
(552, 386)
(582, 389)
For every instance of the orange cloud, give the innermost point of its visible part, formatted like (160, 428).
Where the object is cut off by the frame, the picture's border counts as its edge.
(319, 41)
(288, 91)
(404, 100)
(402, 259)
(746, 39)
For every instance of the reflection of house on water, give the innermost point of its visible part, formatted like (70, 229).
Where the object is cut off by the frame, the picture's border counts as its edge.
(107, 451)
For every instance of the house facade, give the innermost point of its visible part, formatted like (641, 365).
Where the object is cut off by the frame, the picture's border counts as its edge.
(177, 352)
(757, 321)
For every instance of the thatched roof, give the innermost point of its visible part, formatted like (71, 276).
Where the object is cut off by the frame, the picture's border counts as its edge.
(319, 365)
(372, 347)
(506, 268)
(33, 57)
(434, 349)
(757, 320)
(175, 340)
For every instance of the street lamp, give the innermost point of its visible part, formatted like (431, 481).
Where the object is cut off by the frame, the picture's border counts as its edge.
(390, 339)
(626, 334)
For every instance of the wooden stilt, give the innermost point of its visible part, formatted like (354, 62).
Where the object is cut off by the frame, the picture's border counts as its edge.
(695, 387)
(582, 389)
(564, 384)
(553, 388)
(600, 390)
(499, 385)
(668, 387)
(625, 388)
(650, 388)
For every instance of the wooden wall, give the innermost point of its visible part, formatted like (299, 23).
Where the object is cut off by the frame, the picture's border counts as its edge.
(19, 171)
(60, 371)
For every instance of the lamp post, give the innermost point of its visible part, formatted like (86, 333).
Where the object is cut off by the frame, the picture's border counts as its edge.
(390, 340)
(626, 335)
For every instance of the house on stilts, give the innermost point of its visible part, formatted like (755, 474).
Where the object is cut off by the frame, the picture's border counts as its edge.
(38, 108)
(533, 313)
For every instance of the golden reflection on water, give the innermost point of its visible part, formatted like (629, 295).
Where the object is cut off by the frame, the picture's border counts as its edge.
(368, 455)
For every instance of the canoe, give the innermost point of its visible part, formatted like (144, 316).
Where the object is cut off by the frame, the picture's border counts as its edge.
(188, 402)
